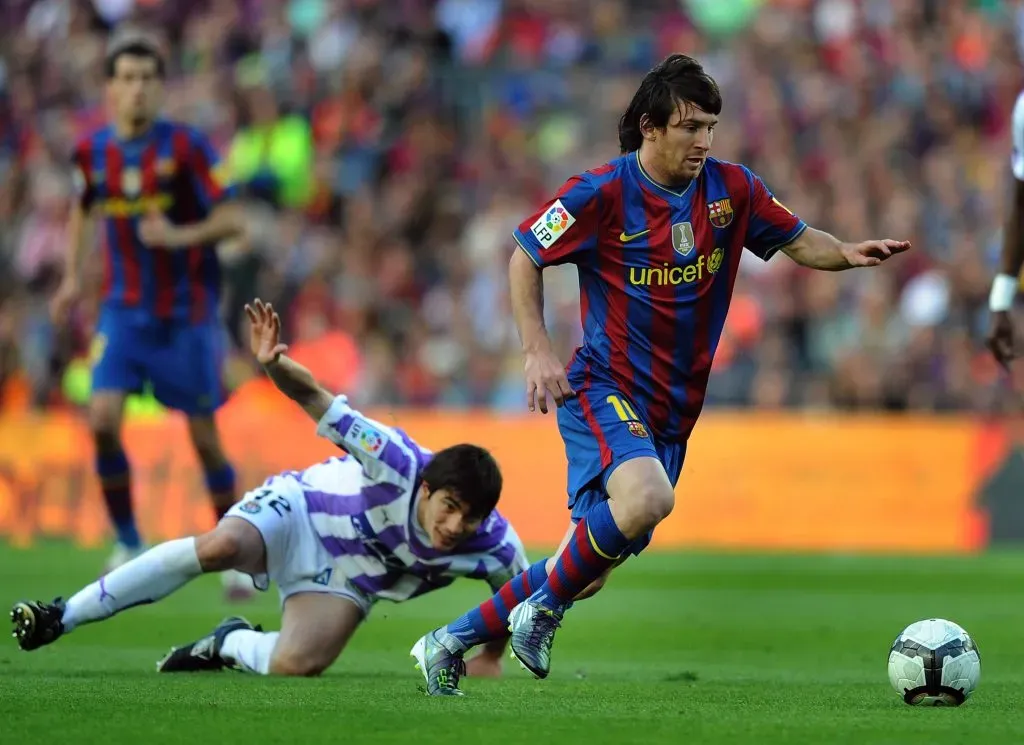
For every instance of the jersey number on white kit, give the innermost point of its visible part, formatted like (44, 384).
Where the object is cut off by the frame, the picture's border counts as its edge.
(267, 496)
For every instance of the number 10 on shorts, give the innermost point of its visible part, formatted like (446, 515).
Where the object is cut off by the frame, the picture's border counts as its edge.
(622, 408)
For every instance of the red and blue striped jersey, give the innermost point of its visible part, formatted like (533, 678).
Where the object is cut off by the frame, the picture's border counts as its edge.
(656, 272)
(173, 167)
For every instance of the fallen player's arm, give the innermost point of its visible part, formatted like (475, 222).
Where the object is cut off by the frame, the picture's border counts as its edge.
(298, 384)
(224, 221)
(494, 649)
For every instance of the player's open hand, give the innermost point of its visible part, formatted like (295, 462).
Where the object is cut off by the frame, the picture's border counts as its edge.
(483, 666)
(1000, 338)
(156, 231)
(873, 253)
(544, 374)
(264, 332)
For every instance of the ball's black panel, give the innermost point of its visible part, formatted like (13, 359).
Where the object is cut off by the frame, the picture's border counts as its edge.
(932, 659)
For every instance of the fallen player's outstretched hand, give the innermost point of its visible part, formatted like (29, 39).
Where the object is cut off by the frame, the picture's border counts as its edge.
(265, 332)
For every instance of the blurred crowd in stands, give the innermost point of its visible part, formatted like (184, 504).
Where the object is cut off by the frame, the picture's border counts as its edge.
(387, 148)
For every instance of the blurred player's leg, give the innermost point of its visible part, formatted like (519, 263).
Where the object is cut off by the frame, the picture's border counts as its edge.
(105, 415)
(115, 373)
(233, 544)
(315, 628)
(220, 482)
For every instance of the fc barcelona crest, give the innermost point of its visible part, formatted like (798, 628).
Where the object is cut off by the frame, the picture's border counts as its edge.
(682, 238)
(637, 429)
(720, 213)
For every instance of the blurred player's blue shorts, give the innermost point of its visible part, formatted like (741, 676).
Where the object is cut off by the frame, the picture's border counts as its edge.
(182, 361)
(601, 430)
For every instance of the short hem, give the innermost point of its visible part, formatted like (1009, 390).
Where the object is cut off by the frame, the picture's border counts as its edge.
(360, 603)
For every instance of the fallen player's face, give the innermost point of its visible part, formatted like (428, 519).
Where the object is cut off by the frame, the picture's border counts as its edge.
(136, 88)
(447, 521)
(685, 143)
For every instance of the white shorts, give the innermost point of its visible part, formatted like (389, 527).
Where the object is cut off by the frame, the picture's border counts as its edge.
(296, 559)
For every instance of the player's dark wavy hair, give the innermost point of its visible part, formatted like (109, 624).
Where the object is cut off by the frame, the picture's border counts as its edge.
(136, 47)
(470, 473)
(678, 79)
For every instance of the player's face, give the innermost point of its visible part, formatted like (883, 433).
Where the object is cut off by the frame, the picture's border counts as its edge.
(136, 89)
(447, 520)
(680, 149)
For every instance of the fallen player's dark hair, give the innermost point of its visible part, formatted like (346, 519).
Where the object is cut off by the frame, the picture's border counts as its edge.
(135, 47)
(470, 473)
(678, 79)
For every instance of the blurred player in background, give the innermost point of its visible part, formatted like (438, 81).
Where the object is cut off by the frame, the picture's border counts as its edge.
(389, 520)
(1006, 283)
(657, 236)
(154, 186)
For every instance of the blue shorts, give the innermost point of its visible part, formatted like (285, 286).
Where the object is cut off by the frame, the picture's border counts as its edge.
(602, 430)
(182, 361)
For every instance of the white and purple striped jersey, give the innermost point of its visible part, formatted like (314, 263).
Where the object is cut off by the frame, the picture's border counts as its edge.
(1017, 134)
(362, 506)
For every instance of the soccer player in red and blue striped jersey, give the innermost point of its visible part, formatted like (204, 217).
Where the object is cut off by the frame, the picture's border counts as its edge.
(656, 236)
(153, 185)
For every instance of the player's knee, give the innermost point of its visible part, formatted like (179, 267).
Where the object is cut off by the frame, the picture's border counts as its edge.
(220, 550)
(295, 663)
(652, 504)
(106, 430)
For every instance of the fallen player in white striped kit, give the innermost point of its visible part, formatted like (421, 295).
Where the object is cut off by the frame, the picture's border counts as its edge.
(387, 519)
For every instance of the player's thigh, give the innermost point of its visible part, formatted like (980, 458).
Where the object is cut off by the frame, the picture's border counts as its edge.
(115, 371)
(289, 548)
(187, 370)
(601, 431)
(234, 543)
(315, 628)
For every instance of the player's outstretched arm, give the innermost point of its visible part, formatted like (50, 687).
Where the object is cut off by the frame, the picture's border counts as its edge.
(291, 378)
(819, 250)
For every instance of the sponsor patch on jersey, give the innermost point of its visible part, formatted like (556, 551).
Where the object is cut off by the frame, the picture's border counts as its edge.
(166, 167)
(365, 438)
(720, 212)
(552, 224)
(250, 507)
(637, 429)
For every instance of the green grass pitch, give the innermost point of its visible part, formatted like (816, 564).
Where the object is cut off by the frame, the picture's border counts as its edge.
(679, 648)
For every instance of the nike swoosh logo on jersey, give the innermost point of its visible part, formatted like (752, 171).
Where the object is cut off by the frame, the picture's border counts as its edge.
(627, 238)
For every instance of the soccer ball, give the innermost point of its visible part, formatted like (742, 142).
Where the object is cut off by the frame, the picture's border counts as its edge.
(934, 663)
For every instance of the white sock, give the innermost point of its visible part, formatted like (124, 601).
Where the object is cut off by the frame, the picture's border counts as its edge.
(250, 649)
(145, 579)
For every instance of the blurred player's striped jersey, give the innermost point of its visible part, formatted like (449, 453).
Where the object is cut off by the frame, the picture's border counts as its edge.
(173, 168)
(363, 508)
(657, 269)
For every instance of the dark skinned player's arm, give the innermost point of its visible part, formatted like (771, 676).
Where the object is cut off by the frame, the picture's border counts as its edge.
(1006, 282)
